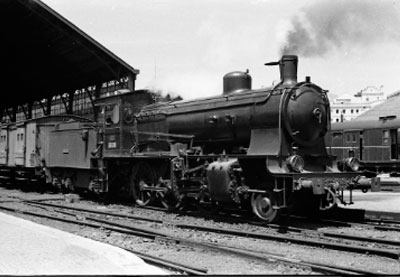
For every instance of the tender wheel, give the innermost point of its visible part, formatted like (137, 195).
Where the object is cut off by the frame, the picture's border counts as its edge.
(143, 176)
(328, 200)
(262, 205)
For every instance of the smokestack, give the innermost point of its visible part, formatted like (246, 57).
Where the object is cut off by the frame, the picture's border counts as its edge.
(288, 69)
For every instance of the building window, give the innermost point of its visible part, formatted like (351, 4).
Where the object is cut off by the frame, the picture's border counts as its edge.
(357, 111)
(344, 111)
(337, 135)
(337, 111)
(352, 111)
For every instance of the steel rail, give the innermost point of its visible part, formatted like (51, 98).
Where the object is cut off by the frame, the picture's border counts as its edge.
(38, 199)
(369, 223)
(79, 222)
(169, 264)
(285, 228)
(230, 220)
(135, 229)
(387, 228)
(7, 201)
(94, 211)
(304, 241)
(177, 266)
(382, 221)
(239, 252)
(340, 269)
(367, 239)
(318, 267)
(263, 256)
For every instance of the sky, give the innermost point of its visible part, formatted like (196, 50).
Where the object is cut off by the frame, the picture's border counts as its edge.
(185, 47)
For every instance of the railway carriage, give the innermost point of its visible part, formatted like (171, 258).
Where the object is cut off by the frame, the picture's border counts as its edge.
(25, 150)
(376, 143)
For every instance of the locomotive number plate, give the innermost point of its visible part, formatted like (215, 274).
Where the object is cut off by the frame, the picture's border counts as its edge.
(112, 144)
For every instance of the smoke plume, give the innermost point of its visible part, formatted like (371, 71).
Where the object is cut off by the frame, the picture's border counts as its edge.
(341, 25)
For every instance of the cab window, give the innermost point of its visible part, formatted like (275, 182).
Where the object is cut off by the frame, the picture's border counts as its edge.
(111, 114)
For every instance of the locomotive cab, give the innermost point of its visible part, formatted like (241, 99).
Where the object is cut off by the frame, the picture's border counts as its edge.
(116, 114)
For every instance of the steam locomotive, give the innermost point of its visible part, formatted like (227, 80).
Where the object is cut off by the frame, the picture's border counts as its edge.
(258, 150)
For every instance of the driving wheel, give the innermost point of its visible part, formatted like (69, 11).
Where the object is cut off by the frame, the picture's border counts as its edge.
(142, 179)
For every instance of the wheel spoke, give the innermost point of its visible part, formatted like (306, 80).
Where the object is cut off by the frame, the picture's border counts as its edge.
(143, 176)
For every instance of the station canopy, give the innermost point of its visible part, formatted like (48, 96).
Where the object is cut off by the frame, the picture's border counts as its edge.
(388, 109)
(42, 54)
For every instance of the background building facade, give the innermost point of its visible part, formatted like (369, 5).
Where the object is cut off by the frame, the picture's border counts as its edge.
(347, 107)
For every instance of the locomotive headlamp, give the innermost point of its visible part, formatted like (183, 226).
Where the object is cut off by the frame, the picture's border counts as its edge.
(352, 163)
(295, 163)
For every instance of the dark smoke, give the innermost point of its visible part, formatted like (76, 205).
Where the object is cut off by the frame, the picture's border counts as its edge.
(342, 24)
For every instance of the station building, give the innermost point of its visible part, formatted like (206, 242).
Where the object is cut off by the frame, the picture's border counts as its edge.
(347, 107)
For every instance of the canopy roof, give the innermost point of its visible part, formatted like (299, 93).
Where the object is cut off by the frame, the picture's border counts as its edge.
(354, 125)
(43, 54)
(389, 108)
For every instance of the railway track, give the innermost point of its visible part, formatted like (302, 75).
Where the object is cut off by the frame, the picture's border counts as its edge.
(148, 233)
(238, 219)
(379, 221)
(383, 221)
(310, 238)
(171, 265)
(143, 232)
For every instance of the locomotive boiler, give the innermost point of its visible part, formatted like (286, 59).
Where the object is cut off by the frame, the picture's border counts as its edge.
(259, 150)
